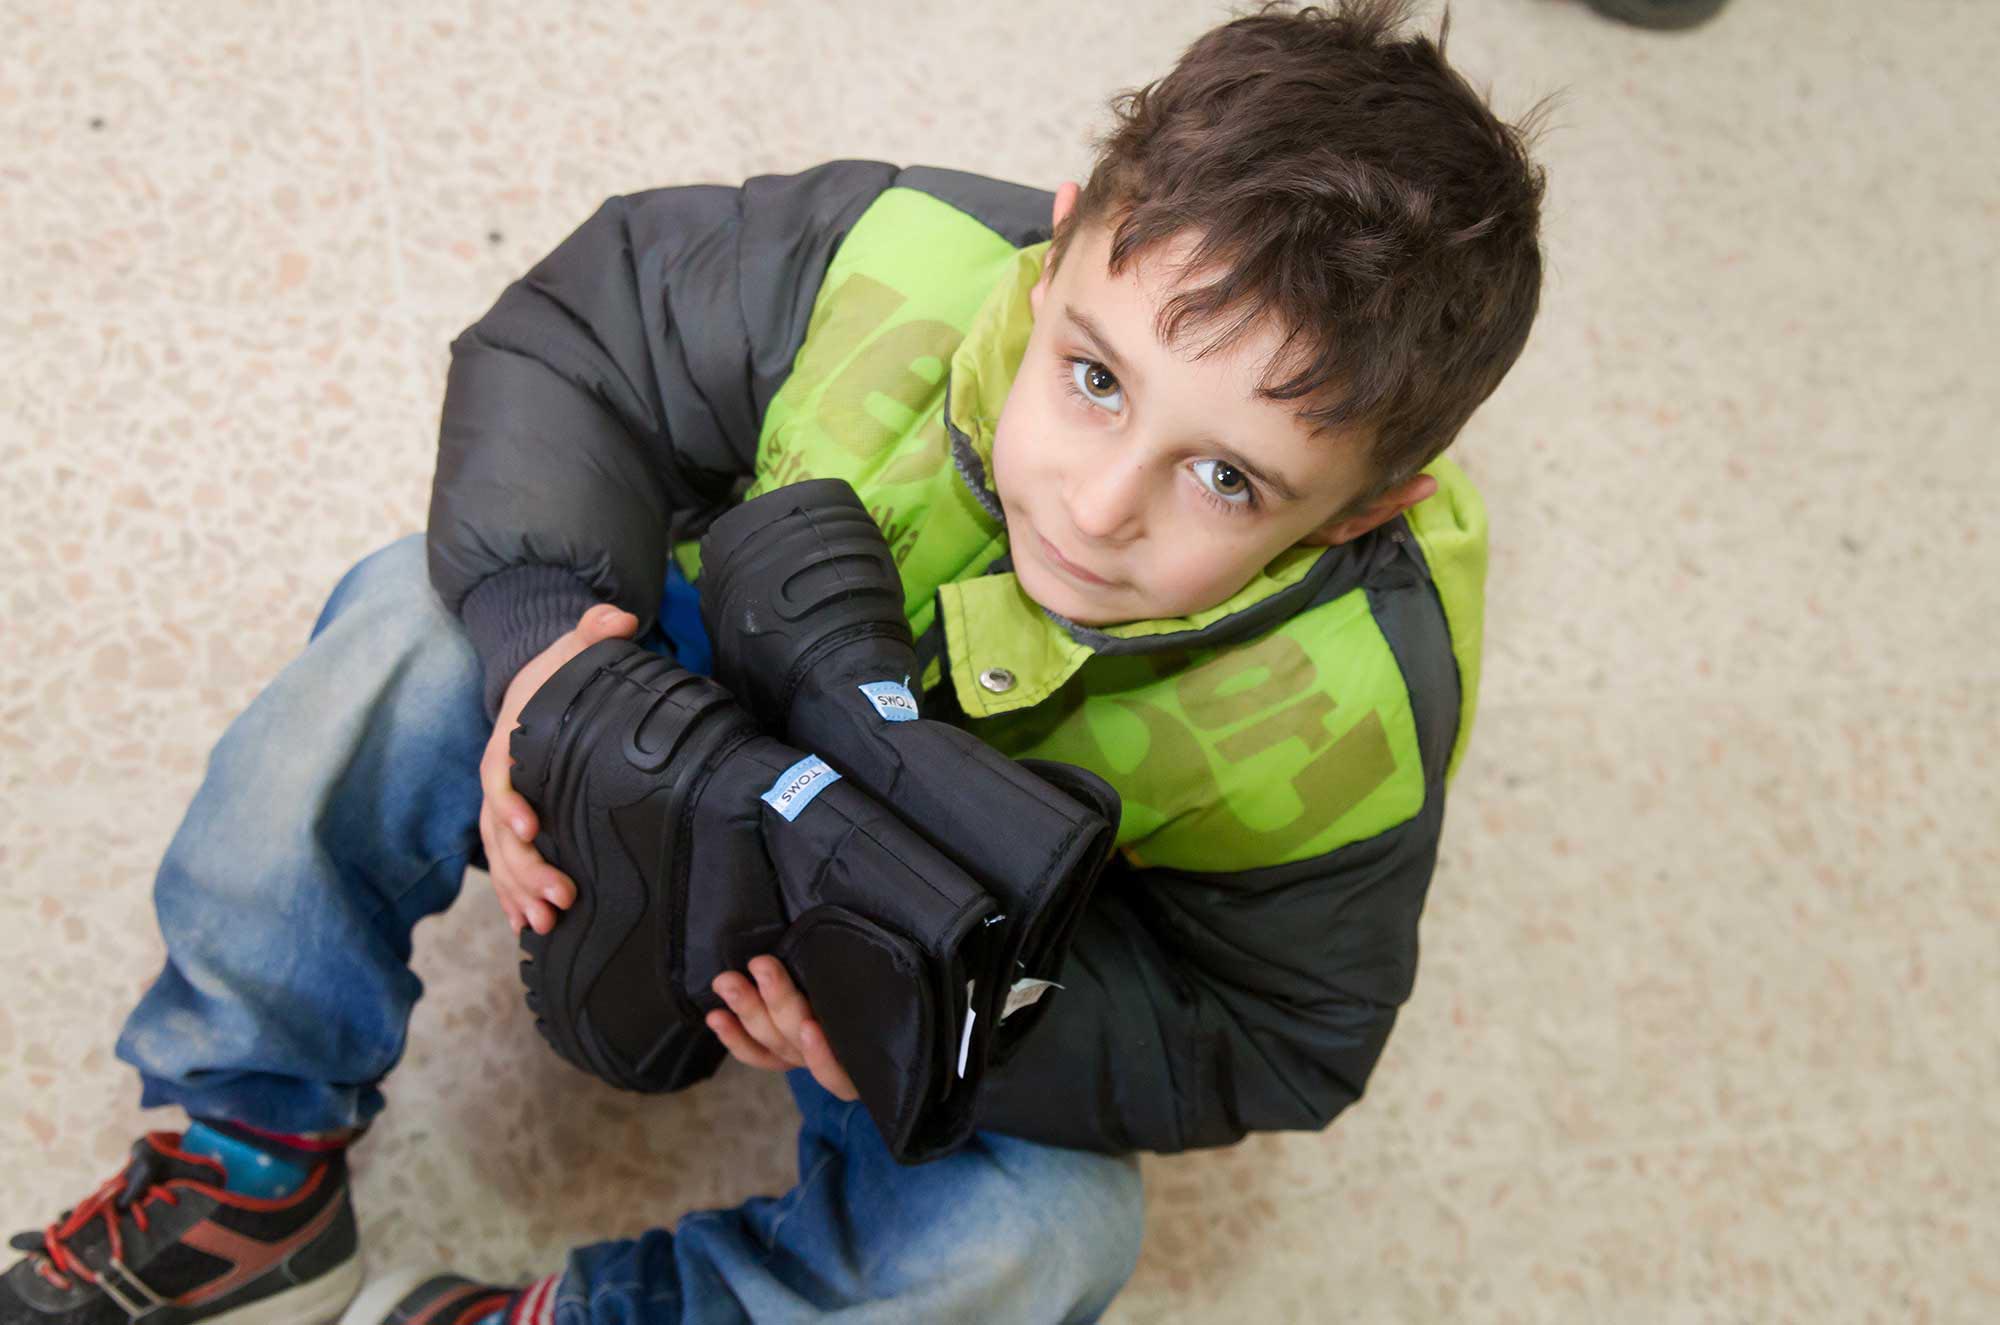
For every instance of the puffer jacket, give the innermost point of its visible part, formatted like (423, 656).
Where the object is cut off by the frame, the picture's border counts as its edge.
(1283, 757)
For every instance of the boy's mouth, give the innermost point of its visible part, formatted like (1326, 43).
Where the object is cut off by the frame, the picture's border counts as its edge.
(1068, 567)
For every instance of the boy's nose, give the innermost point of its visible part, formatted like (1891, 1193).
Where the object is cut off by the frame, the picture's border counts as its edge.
(1107, 503)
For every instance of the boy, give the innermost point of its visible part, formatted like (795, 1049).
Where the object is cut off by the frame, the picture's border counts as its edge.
(1159, 462)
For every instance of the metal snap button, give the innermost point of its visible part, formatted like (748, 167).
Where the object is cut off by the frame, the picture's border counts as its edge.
(997, 679)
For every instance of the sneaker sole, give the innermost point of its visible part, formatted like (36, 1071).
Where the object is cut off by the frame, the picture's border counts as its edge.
(315, 1302)
(382, 1295)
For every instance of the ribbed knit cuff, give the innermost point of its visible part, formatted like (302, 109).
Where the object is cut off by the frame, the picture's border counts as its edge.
(511, 617)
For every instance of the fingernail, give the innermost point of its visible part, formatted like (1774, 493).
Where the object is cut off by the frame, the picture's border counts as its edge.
(521, 829)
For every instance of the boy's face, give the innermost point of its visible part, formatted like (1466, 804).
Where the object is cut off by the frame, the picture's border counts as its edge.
(1138, 483)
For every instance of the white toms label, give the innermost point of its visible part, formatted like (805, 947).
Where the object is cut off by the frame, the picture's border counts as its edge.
(893, 700)
(797, 785)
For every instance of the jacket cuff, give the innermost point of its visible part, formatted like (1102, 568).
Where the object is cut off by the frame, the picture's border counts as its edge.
(514, 615)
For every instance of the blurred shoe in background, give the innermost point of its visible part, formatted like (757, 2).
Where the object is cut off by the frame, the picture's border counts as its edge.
(1660, 13)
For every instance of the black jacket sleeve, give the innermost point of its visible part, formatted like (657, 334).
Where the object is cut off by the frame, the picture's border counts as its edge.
(609, 402)
(1197, 1008)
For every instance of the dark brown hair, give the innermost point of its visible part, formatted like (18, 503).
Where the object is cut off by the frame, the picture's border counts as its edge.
(1354, 186)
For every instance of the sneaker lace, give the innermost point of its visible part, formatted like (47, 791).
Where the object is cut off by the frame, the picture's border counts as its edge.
(126, 1194)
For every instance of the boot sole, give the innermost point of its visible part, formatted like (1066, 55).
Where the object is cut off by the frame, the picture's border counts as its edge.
(560, 969)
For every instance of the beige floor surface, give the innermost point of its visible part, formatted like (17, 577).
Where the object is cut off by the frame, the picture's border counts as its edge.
(1705, 1023)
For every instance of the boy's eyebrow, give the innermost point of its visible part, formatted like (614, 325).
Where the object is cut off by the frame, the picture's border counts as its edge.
(1095, 335)
(1270, 480)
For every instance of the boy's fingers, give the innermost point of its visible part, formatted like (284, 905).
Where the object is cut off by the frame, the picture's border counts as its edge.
(520, 897)
(604, 619)
(508, 806)
(508, 909)
(528, 876)
(512, 811)
(519, 816)
(492, 837)
(493, 775)
(826, 1069)
(787, 1006)
(741, 1046)
(791, 1013)
(748, 1005)
(511, 858)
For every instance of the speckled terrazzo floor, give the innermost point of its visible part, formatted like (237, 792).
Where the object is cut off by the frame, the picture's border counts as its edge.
(1705, 1028)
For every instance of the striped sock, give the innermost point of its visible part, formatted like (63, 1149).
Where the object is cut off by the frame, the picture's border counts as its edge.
(533, 1305)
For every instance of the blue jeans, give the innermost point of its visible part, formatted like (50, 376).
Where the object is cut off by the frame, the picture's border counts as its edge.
(342, 807)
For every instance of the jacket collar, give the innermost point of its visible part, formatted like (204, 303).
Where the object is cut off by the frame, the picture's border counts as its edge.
(990, 623)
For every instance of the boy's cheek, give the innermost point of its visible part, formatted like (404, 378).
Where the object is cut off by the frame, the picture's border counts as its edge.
(1003, 464)
(1195, 582)
(1016, 438)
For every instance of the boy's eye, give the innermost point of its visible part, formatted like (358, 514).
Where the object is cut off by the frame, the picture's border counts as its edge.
(1095, 383)
(1224, 480)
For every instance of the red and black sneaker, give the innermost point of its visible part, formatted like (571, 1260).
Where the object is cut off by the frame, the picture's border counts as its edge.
(423, 1297)
(166, 1243)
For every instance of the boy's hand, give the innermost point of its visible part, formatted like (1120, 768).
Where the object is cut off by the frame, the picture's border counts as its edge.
(531, 891)
(772, 1026)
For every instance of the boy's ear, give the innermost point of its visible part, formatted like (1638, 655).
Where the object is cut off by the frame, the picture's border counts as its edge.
(1384, 509)
(1065, 203)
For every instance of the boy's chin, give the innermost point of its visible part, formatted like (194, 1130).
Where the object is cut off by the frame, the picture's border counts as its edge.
(1066, 604)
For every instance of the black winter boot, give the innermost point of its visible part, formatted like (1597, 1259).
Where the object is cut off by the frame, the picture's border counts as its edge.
(804, 608)
(696, 843)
